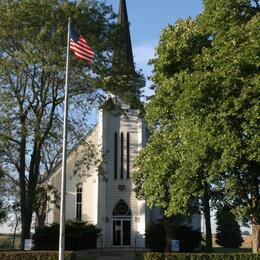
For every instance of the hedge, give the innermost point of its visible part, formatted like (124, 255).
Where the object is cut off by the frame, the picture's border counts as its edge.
(34, 255)
(79, 235)
(155, 235)
(195, 256)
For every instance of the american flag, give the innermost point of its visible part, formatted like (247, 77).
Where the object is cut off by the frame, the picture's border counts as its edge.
(80, 47)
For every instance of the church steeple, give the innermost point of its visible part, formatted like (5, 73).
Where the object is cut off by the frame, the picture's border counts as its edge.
(124, 82)
(125, 55)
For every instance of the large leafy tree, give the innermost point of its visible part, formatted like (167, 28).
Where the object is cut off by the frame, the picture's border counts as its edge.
(33, 37)
(160, 163)
(204, 116)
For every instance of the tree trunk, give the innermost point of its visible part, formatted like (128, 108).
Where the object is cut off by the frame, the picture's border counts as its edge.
(28, 196)
(255, 194)
(206, 211)
(22, 186)
(256, 236)
(170, 232)
(26, 225)
(40, 220)
(14, 234)
(26, 214)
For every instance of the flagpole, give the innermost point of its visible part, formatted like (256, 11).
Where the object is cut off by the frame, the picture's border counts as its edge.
(64, 156)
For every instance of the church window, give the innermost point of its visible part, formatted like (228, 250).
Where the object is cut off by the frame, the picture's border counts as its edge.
(79, 204)
(115, 156)
(128, 155)
(122, 209)
(122, 156)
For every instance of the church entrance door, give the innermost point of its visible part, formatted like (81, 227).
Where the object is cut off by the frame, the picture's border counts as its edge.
(121, 224)
(121, 232)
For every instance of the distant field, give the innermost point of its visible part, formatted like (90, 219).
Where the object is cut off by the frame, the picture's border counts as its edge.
(247, 244)
(9, 238)
(232, 250)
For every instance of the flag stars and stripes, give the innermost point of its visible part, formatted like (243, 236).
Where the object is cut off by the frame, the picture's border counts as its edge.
(80, 47)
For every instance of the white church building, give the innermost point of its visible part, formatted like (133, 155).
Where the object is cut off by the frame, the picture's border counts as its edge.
(108, 199)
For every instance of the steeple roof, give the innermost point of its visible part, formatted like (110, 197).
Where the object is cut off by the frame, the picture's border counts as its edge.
(124, 82)
(126, 53)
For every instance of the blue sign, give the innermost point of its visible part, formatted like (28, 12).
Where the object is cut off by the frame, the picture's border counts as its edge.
(175, 245)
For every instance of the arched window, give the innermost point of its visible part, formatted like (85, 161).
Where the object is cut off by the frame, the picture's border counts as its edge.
(121, 209)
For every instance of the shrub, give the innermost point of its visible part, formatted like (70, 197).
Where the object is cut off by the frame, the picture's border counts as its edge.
(81, 236)
(189, 239)
(78, 236)
(181, 256)
(18, 255)
(5, 244)
(156, 237)
(228, 232)
(46, 238)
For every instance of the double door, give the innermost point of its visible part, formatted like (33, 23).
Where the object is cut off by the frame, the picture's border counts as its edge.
(121, 232)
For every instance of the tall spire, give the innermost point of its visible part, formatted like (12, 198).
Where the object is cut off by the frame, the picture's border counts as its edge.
(125, 54)
(124, 81)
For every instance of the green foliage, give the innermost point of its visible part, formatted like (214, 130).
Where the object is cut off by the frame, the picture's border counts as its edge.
(204, 116)
(228, 232)
(47, 238)
(5, 244)
(45, 193)
(189, 239)
(161, 256)
(78, 236)
(157, 242)
(44, 255)
(155, 236)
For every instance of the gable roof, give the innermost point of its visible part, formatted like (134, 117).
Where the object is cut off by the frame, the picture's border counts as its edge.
(75, 147)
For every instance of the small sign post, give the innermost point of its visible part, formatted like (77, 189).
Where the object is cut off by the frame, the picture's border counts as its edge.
(28, 244)
(175, 245)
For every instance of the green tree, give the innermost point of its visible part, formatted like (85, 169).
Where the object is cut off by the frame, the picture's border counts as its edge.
(33, 37)
(228, 232)
(204, 116)
(159, 165)
(45, 194)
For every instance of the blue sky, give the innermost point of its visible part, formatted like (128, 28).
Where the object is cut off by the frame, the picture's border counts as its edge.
(147, 20)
